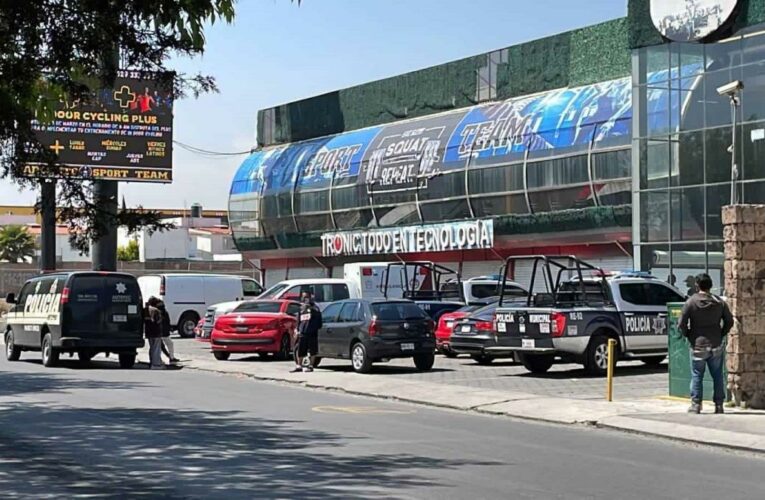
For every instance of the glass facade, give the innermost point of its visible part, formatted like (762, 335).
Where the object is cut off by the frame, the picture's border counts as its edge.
(682, 164)
(560, 150)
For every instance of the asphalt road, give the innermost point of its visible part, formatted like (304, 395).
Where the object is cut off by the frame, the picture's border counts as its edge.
(106, 432)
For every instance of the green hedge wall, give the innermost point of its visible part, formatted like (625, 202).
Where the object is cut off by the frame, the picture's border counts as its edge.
(508, 225)
(594, 54)
(642, 32)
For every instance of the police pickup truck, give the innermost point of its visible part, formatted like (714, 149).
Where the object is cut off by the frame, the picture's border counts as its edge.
(579, 308)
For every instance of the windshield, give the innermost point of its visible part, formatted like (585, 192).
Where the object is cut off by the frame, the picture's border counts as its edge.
(273, 291)
(397, 311)
(264, 307)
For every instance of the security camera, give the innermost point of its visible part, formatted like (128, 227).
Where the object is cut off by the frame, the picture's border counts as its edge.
(731, 89)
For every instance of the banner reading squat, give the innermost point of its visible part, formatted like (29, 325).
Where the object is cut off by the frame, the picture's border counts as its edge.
(466, 235)
(124, 133)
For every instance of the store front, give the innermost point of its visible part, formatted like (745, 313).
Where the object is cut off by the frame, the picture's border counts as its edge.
(629, 172)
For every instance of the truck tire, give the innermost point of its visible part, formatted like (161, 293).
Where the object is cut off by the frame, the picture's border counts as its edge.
(49, 354)
(127, 361)
(537, 363)
(12, 351)
(596, 362)
(187, 323)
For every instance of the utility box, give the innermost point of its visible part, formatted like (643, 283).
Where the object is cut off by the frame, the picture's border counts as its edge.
(680, 359)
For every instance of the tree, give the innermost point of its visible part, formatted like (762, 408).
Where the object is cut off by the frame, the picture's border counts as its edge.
(129, 253)
(16, 244)
(51, 50)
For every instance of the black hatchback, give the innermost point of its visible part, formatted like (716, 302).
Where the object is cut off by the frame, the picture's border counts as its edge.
(366, 331)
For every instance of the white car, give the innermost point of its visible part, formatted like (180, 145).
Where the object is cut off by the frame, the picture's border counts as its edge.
(187, 296)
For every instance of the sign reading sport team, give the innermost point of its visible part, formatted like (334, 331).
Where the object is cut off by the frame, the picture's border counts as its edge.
(468, 235)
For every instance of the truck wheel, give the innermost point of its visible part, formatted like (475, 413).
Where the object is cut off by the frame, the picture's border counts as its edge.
(12, 351)
(537, 363)
(221, 355)
(597, 356)
(654, 361)
(482, 359)
(49, 354)
(424, 362)
(187, 324)
(127, 361)
(360, 358)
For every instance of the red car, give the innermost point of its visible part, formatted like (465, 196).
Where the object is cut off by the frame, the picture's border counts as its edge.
(446, 327)
(265, 327)
(198, 332)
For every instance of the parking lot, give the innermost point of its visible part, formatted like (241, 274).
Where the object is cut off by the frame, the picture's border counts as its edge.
(633, 380)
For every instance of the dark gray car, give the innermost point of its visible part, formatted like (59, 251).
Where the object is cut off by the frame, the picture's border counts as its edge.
(366, 331)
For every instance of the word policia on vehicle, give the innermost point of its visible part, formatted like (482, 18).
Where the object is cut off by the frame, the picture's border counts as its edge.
(469, 235)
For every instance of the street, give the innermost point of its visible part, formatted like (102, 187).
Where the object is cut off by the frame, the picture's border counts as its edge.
(105, 432)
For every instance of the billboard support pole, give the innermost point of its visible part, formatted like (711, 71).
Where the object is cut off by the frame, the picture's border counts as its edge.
(47, 225)
(104, 250)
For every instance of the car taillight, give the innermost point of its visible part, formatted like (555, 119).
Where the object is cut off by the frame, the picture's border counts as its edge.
(558, 324)
(367, 271)
(374, 328)
(64, 296)
(485, 326)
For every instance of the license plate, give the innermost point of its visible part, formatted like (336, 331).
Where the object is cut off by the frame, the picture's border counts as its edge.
(466, 329)
(544, 328)
(501, 327)
(407, 347)
(119, 318)
(528, 343)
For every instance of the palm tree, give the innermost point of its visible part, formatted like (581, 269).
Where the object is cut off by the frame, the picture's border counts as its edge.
(16, 244)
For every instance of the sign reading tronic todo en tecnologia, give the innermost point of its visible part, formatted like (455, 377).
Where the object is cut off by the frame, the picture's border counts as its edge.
(466, 235)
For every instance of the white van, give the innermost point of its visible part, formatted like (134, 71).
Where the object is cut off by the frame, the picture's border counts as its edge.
(324, 290)
(187, 296)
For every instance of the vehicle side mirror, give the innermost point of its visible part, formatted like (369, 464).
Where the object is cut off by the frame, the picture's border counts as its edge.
(10, 298)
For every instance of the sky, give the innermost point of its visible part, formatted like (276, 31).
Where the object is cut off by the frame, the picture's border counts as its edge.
(276, 52)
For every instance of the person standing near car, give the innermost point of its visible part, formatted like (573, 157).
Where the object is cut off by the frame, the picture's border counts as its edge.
(309, 323)
(705, 321)
(168, 348)
(153, 333)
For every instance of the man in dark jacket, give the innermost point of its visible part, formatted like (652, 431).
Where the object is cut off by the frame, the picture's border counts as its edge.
(705, 321)
(168, 348)
(153, 331)
(309, 323)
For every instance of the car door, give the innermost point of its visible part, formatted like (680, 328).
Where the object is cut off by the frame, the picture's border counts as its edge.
(643, 311)
(329, 323)
(350, 321)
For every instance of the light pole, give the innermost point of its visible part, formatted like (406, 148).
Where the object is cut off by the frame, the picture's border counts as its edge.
(732, 91)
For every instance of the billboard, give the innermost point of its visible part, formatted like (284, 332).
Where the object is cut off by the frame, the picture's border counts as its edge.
(123, 133)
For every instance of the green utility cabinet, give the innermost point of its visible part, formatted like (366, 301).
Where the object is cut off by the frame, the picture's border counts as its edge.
(680, 359)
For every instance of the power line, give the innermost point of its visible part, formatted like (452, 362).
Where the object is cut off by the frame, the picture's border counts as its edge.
(208, 153)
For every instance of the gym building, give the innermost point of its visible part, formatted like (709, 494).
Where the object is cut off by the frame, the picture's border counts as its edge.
(618, 142)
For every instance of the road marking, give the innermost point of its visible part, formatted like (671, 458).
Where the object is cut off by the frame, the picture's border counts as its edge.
(360, 410)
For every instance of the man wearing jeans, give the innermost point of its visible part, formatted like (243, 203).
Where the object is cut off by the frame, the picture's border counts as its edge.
(705, 321)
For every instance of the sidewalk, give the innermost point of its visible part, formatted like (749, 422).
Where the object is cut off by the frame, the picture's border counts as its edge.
(662, 417)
